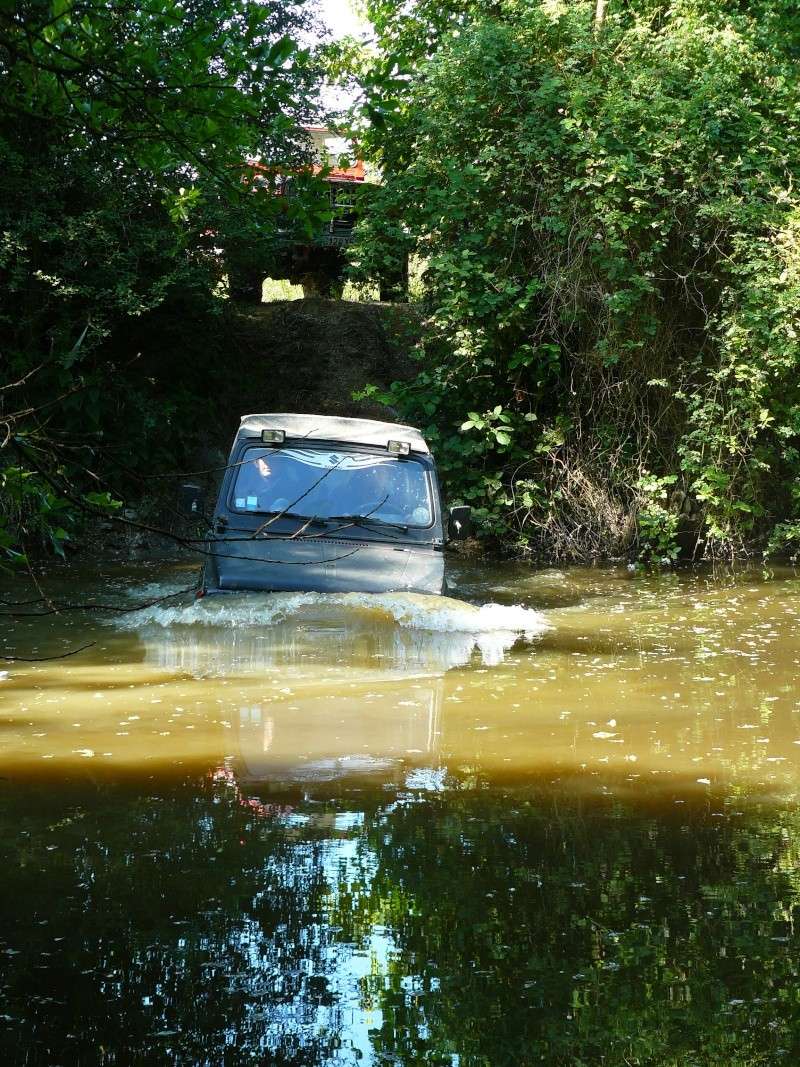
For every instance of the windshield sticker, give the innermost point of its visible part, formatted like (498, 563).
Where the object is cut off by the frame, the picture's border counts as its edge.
(341, 460)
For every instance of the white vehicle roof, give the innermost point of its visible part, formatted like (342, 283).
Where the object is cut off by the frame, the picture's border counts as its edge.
(333, 428)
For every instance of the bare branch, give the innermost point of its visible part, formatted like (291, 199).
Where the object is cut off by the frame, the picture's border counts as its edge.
(45, 659)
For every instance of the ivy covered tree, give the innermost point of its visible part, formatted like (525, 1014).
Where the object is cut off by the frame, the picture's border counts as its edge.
(605, 200)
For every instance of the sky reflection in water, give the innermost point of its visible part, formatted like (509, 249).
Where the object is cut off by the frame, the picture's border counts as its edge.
(312, 831)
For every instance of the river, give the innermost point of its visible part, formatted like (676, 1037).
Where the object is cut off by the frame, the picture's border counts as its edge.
(550, 819)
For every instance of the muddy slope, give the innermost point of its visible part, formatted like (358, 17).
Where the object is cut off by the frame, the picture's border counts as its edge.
(311, 355)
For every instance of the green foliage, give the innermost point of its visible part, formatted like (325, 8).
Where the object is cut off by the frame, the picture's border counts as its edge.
(785, 540)
(611, 230)
(36, 513)
(32, 512)
(126, 138)
(658, 524)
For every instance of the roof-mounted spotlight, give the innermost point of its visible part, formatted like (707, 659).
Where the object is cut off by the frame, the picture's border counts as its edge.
(399, 448)
(273, 437)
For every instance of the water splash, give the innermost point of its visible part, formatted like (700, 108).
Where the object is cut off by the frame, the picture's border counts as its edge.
(414, 611)
(237, 633)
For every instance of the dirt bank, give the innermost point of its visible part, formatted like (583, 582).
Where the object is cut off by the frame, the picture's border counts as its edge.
(311, 355)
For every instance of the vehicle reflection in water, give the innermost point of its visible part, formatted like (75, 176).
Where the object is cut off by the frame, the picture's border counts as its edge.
(348, 691)
(323, 738)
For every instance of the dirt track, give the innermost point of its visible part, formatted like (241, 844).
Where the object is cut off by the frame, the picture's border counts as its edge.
(311, 355)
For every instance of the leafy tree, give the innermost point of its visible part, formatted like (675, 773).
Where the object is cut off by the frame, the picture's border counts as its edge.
(125, 140)
(606, 204)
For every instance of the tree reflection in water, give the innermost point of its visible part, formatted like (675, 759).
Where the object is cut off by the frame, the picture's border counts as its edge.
(533, 928)
(175, 926)
(474, 925)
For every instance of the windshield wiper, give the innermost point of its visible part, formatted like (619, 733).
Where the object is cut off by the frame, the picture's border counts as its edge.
(366, 520)
(304, 520)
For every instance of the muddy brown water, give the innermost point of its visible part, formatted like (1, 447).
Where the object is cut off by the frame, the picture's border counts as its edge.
(550, 819)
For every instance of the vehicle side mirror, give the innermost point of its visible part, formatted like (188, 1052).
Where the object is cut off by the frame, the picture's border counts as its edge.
(191, 499)
(460, 523)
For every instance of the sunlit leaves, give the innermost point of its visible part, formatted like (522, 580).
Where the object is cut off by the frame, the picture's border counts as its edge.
(609, 230)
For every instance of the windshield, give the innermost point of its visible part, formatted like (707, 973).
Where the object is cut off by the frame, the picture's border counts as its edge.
(320, 484)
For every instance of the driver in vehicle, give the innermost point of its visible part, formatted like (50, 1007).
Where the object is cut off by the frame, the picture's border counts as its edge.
(256, 489)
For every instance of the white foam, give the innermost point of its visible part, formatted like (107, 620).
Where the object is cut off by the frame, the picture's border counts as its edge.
(415, 611)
